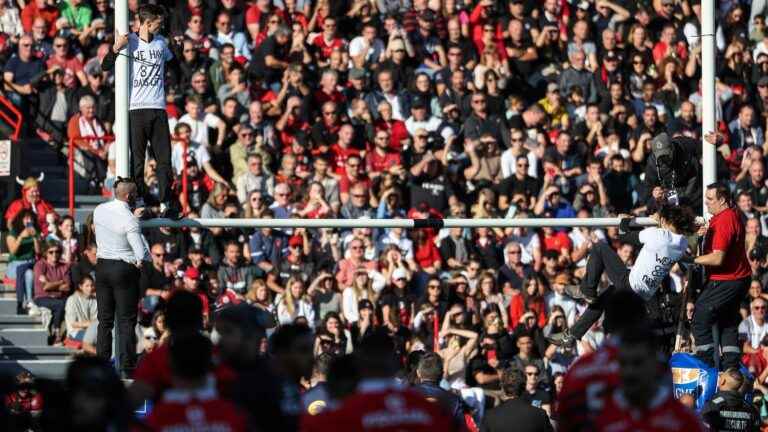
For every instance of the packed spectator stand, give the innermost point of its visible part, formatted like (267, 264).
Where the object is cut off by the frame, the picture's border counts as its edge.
(393, 109)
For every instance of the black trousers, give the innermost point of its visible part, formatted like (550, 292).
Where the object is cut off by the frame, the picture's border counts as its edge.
(151, 126)
(718, 305)
(602, 259)
(117, 294)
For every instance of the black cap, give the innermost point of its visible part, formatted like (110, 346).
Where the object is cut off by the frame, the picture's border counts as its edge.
(763, 81)
(247, 317)
(418, 103)
(611, 55)
(427, 15)
(364, 304)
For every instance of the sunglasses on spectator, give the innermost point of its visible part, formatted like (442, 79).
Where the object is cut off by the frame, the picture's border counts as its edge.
(150, 338)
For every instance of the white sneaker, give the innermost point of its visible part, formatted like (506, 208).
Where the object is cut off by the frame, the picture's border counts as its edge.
(33, 310)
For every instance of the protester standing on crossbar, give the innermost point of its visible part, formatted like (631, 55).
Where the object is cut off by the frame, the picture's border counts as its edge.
(728, 273)
(120, 250)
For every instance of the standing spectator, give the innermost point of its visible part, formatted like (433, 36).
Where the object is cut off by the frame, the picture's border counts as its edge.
(515, 410)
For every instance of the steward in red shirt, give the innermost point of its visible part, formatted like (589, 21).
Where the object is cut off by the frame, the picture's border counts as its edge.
(728, 272)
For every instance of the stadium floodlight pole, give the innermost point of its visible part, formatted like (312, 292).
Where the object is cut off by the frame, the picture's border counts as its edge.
(390, 223)
(122, 76)
(709, 122)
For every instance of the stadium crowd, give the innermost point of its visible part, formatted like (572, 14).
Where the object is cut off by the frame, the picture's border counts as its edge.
(391, 109)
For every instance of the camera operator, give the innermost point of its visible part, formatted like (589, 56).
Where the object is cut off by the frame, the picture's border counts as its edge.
(674, 166)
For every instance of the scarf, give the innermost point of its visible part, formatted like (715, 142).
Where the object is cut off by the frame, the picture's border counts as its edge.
(92, 129)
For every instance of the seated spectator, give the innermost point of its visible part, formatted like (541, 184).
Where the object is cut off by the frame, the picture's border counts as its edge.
(55, 104)
(196, 154)
(234, 274)
(256, 178)
(24, 244)
(294, 304)
(66, 236)
(86, 131)
(80, 310)
(360, 289)
(44, 9)
(52, 285)
(753, 329)
(85, 265)
(22, 73)
(354, 259)
(226, 33)
(71, 65)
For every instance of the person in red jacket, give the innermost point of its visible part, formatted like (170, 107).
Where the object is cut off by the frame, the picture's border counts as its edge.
(644, 400)
(32, 200)
(380, 403)
(193, 402)
(728, 275)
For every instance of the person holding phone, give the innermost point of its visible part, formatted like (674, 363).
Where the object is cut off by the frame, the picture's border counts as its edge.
(24, 243)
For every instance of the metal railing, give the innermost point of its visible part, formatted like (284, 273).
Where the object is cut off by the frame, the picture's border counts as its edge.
(16, 124)
(73, 143)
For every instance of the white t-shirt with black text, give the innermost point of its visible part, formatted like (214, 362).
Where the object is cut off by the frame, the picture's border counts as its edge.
(661, 250)
(147, 71)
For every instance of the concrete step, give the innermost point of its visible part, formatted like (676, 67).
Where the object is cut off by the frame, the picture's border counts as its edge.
(24, 337)
(20, 322)
(80, 213)
(50, 369)
(35, 353)
(8, 305)
(93, 200)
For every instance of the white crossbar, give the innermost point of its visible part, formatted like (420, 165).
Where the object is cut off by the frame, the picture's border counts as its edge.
(390, 223)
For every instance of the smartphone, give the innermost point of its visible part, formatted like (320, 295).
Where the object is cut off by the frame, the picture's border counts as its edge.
(29, 225)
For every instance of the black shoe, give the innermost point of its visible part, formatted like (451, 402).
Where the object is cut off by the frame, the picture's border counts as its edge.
(575, 292)
(563, 339)
(170, 211)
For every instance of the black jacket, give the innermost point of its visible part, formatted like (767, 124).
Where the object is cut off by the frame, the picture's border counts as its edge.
(518, 415)
(450, 402)
(727, 411)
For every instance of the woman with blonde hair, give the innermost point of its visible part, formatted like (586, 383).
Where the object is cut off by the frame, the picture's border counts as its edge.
(361, 289)
(295, 303)
(258, 295)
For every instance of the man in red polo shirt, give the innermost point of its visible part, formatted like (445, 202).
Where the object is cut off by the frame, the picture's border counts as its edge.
(728, 275)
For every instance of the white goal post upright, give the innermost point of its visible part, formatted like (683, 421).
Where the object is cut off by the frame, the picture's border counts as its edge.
(121, 128)
(708, 120)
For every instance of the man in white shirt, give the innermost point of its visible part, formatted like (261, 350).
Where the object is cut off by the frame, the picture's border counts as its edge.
(199, 122)
(754, 328)
(662, 247)
(121, 249)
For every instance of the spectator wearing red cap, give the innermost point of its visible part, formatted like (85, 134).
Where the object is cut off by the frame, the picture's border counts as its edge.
(191, 283)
